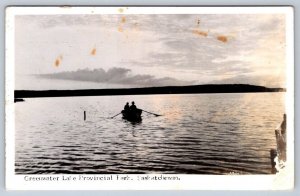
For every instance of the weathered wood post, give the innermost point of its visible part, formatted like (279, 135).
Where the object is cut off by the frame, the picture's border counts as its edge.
(280, 151)
(273, 154)
(84, 115)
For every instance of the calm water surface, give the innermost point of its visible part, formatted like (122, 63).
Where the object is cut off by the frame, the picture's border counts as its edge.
(197, 134)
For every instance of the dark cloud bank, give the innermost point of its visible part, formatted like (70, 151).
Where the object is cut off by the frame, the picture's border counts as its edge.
(116, 76)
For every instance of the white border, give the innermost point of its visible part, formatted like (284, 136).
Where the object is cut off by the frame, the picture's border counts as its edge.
(282, 181)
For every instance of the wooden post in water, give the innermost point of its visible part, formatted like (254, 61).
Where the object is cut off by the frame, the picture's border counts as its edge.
(273, 154)
(84, 115)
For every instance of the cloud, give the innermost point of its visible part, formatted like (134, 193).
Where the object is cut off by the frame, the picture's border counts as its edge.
(261, 80)
(165, 44)
(116, 76)
(46, 21)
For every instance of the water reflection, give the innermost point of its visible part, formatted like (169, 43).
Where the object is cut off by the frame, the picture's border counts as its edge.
(197, 134)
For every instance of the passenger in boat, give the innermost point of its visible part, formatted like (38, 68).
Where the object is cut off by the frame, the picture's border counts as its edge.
(132, 107)
(126, 107)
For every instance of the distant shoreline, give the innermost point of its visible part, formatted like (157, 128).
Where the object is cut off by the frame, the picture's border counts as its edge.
(195, 89)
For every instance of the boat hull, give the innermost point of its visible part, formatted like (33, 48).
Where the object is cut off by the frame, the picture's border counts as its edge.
(133, 116)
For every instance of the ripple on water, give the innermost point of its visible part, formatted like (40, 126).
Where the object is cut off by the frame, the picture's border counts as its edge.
(198, 134)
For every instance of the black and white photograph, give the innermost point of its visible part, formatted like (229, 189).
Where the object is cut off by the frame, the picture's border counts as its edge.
(164, 93)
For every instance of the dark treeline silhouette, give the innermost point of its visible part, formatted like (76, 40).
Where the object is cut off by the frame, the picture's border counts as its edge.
(209, 88)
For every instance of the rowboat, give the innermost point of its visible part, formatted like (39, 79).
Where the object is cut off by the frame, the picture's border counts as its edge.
(132, 115)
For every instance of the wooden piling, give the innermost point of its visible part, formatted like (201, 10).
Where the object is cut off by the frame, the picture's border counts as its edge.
(273, 154)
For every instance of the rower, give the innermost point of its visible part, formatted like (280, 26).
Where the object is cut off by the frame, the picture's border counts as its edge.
(132, 107)
(126, 107)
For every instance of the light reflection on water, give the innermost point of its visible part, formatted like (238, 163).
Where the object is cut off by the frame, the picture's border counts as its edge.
(197, 134)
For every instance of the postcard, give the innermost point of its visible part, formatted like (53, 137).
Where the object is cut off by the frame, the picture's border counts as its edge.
(149, 98)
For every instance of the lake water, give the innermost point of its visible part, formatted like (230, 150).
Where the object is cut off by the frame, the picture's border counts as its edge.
(197, 134)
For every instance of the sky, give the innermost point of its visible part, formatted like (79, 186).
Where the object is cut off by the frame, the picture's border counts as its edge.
(119, 50)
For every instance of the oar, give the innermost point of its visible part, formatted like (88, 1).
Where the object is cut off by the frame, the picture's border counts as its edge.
(116, 115)
(151, 113)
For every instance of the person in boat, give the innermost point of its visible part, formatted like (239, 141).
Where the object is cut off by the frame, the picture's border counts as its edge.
(133, 106)
(126, 107)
